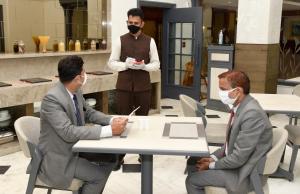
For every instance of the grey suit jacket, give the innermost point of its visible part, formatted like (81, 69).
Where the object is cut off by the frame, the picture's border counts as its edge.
(59, 132)
(250, 140)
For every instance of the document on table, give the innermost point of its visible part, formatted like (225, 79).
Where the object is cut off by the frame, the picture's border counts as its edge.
(184, 130)
(133, 111)
(126, 131)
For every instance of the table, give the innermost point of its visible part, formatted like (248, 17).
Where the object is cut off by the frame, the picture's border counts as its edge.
(295, 79)
(278, 103)
(289, 82)
(281, 104)
(145, 137)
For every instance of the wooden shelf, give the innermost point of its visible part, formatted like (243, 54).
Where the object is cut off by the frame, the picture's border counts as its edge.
(51, 54)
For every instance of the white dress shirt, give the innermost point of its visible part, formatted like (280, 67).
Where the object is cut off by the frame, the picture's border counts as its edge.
(115, 64)
(106, 131)
(212, 164)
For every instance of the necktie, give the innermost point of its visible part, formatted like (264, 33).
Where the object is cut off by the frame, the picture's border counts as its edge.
(77, 113)
(228, 131)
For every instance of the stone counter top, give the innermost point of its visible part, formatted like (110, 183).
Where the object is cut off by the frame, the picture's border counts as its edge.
(21, 93)
(51, 54)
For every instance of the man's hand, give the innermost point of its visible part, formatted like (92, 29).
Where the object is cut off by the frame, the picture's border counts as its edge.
(205, 160)
(132, 63)
(139, 62)
(203, 163)
(129, 62)
(202, 166)
(138, 65)
(118, 125)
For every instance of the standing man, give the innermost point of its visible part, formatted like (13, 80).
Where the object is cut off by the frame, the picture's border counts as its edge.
(134, 56)
(249, 138)
(64, 114)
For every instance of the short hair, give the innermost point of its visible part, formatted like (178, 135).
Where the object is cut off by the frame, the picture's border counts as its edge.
(69, 67)
(237, 79)
(136, 12)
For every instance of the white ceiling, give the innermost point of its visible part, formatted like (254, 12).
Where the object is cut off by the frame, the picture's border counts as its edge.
(232, 4)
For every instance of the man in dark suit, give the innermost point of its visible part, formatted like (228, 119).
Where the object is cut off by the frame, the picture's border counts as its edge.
(64, 114)
(249, 138)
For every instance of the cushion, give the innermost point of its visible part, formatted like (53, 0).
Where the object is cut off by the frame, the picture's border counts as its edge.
(75, 184)
(294, 133)
(216, 133)
(221, 190)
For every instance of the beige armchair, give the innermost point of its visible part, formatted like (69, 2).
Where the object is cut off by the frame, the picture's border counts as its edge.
(215, 133)
(294, 142)
(270, 166)
(28, 132)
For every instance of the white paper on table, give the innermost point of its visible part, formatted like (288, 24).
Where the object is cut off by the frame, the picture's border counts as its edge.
(184, 130)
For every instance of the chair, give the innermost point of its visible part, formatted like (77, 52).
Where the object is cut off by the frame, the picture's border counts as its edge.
(296, 91)
(294, 142)
(215, 133)
(267, 166)
(28, 131)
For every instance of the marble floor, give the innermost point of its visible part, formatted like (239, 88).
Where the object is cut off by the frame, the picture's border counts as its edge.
(168, 170)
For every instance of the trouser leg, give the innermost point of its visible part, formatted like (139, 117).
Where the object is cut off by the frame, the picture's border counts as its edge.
(94, 176)
(195, 182)
(142, 99)
(124, 102)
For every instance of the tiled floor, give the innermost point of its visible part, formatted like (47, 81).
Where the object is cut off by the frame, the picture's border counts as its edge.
(168, 170)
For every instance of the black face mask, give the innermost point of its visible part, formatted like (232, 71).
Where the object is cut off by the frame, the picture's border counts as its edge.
(133, 29)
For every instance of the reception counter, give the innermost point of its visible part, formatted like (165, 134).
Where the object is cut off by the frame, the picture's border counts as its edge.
(21, 95)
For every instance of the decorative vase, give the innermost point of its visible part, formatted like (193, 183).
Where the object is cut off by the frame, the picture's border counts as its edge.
(44, 40)
(36, 41)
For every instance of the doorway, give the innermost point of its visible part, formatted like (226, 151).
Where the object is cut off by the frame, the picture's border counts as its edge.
(177, 34)
(154, 12)
(223, 19)
(153, 25)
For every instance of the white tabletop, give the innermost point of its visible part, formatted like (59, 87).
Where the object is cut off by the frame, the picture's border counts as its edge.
(295, 79)
(146, 137)
(278, 103)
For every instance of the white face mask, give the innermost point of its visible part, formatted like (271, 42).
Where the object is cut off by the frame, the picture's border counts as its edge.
(85, 79)
(224, 95)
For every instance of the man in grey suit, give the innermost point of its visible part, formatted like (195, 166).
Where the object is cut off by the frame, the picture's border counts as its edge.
(249, 138)
(64, 114)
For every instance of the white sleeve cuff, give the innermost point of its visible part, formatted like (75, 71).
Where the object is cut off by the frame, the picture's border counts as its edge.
(212, 165)
(214, 157)
(106, 131)
(111, 120)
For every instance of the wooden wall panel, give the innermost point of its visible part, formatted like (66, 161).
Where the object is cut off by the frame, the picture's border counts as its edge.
(260, 62)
